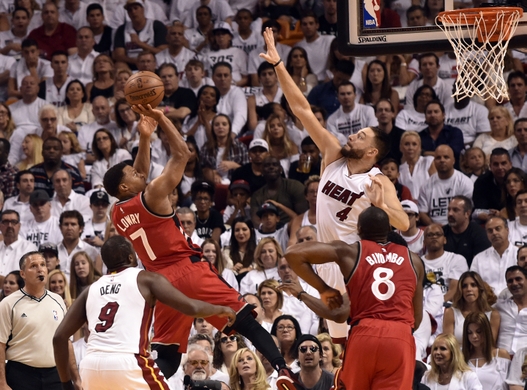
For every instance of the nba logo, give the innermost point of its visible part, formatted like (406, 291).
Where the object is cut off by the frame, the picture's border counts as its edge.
(372, 14)
(55, 315)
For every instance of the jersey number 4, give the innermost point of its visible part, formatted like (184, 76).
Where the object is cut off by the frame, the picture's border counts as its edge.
(107, 317)
(385, 281)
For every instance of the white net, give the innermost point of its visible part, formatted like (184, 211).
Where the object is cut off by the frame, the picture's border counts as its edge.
(480, 39)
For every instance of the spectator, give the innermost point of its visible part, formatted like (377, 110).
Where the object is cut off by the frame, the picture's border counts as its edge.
(152, 10)
(309, 160)
(178, 102)
(77, 112)
(220, 11)
(53, 35)
(474, 163)
(198, 123)
(286, 192)
(518, 226)
(72, 152)
(25, 184)
(327, 22)
(212, 253)
(59, 285)
(81, 63)
(209, 222)
(224, 349)
(82, 273)
(7, 171)
(512, 336)
(245, 38)
(51, 255)
(252, 172)
(232, 101)
(492, 262)
(52, 89)
(463, 236)
(198, 37)
(437, 133)
(52, 154)
(7, 125)
(240, 192)
(93, 232)
(488, 187)
(266, 257)
(317, 46)
(281, 145)
(36, 333)
(25, 111)
(146, 62)
(442, 186)
(13, 246)
(515, 377)
(102, 33)
(390, 169)
(414, 236)
(101, 112)
(385, 114)
(195, 76)
(74, 13)
(29, 65)
(11, 40)
(176, 53)
(65, 198)
(107, 154)
(287, 330)
(517, 153)
(517, 104)
(197, 366)
(309, 352)
(140, 33)
(515, 180)
(501, 132)
(103, 78)
(247, 373)
(43, 227)
(6, 63)
(378, 87)
(272, 301)
(240, 250)
(300, 70)
(121, 78)
(12, 282)
(270, 93)
(412, 118)
(187, 219)
(270, 224)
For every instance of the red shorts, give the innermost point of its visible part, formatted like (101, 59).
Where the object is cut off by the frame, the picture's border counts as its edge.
(379, 355)
(198, 281)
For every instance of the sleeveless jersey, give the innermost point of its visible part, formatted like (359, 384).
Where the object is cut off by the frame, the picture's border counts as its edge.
(119, 318)
(382, 284)
(341, 198)
(159, 241)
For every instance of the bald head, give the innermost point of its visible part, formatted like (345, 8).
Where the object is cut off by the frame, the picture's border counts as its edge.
(373, 224)
(444, 161)
(29, 88)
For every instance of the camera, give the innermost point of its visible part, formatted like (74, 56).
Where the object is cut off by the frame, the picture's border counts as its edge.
(201, 385)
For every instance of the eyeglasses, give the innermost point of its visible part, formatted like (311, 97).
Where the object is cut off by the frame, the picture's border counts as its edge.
(434, 235)
(195, 363)
(282, 328)
(313, 349)
(230, 338)
(8, 222)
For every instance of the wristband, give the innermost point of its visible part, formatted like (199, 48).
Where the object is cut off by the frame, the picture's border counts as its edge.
(278, 63)
(300, 294)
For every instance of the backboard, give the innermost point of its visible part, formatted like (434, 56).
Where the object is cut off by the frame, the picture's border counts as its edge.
(359, 34)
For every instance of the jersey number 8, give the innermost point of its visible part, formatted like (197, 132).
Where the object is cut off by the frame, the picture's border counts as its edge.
(383, 280)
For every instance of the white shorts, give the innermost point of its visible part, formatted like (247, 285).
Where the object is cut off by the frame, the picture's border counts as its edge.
(109, 371)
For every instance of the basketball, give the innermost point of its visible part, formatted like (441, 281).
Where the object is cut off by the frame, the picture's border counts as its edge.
(144, 88)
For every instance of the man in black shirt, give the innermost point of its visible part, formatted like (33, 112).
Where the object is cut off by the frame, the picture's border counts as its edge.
(101, 32)
(178, 102)
(209, 222)
(328, 21)
(252, 171)
(385, 114)
(463, 236)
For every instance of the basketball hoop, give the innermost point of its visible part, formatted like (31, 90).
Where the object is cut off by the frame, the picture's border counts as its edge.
(479, 37)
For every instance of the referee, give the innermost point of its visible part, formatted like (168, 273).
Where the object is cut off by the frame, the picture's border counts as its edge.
(28, 320)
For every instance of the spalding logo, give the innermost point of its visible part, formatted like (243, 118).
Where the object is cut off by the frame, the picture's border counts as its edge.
(380, 38)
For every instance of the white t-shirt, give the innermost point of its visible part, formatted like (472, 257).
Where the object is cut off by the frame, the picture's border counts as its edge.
(220, 9)
(487, 143)
(410, 120)
(40, 232)
(442, 88)
(517, 232)
(317, 54)
(247, 45)
(449, 266)
(523, 111)
(234, 56)
(234, 105)
(26, 114)
(19, 70)
(350, 123)
(77, 19)
(471, 120)
(180, 60)
(7, 37)
(6, 63)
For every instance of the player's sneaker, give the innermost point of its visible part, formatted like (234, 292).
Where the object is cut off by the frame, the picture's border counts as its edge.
(288, 380)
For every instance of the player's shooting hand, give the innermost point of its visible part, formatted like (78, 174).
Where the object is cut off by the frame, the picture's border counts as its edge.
(332, 298)
(272, 55)
(224, 311)
(375, 191)
(148, 111)
(146, 126)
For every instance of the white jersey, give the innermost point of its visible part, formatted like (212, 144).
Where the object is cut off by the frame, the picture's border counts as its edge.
(234, 56)
(517, 233)
(180, 60)
(342, 198)
(54, 94)
(118, 316)
(410, 120)
(349, 123)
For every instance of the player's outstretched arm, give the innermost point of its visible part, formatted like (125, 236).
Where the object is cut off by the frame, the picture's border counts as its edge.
(74, 319)
(156, 286)
(146, 126)
(418, 295)
(383, 195)
(325, 141)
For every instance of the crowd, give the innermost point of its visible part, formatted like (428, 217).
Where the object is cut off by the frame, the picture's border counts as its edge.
(249, 189)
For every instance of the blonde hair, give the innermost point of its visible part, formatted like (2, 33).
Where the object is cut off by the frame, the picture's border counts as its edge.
(505, 113)
(335, 348)
(10, 127)
(236, 381)
(36, 156)
(75, 145)
(273, 285)
(457, 364)
(258, 251)
(290, 148)
(407, 134)
(67, 295)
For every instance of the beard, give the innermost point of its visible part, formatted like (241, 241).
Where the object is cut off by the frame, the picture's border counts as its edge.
(347, 152)
(198, 376)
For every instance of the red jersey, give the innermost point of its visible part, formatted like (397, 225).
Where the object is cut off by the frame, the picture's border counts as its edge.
(159, 240)
(382, 284)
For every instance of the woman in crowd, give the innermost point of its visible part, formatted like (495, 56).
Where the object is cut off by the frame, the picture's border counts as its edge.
(415, 171)
(266, 256)
(474, 163)
(330, 353)
(12, 282)
(103, 78)
(287, 330)
(82, 273)
(413, 117)
(212, 253)
(272, 302)
(192, 172)
(449, 370)
(490, 364)
(280, 144)
(247, 372)
(118, 87)
(378, 86)
(126, 119)
(77, 112)
(107, 154)
(224, 349)
(222, 153)
(501, 132)
(58, 284)
(198, 123)
(32, 149)
(72, 152)
(515, 180)
(241, 251)
(300, 70)
(7, 125)
(432, 9)
(472, 295)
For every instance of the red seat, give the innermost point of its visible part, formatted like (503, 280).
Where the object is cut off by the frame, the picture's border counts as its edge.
(246, 139)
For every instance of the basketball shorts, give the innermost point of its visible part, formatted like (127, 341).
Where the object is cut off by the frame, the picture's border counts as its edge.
(110, 371)
(379, 355)
(198, 281)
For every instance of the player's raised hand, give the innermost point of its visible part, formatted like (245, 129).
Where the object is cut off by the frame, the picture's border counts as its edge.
(147, 110)
(375, 191)
(224, 311)
(332, 298)
(146, 125)
(272, 55)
